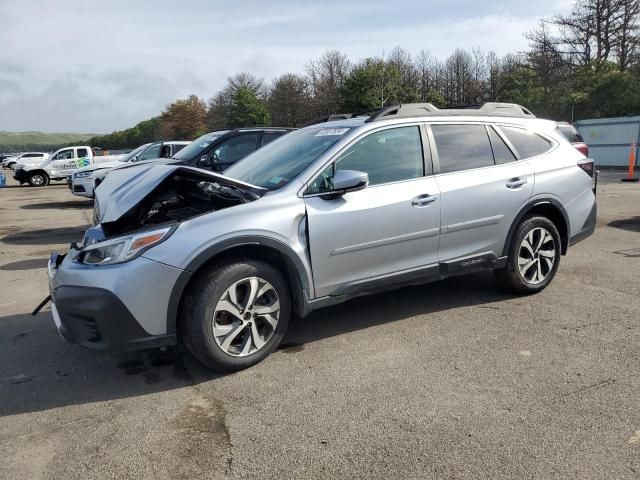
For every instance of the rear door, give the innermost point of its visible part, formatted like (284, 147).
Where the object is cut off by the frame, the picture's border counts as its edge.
(482, 187)
(386, 231)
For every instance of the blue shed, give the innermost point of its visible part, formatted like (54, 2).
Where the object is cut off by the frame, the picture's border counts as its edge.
(610, 139)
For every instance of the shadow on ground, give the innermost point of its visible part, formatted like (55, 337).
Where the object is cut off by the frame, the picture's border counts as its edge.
(29, 264)
(66, 374)
(71, 204)
(46, 236)
(630, 224)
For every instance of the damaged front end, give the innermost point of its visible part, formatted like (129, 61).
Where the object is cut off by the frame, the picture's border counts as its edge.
(139, 208)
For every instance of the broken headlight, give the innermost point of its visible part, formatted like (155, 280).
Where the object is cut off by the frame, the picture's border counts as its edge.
(122, 249)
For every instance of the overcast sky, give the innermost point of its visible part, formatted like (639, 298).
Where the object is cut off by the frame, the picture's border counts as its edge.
(99, 66)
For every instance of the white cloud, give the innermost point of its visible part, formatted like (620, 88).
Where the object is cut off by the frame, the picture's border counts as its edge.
(99, 66)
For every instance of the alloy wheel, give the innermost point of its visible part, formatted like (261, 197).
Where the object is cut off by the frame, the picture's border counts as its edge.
(537, 255)
(246, 316)
(37, 180)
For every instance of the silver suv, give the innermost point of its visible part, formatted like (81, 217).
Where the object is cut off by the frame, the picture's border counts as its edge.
(335, 210)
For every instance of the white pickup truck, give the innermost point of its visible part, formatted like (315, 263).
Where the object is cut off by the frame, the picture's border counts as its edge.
(60, 164)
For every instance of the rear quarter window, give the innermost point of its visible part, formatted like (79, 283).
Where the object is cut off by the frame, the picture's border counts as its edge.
(526, 143)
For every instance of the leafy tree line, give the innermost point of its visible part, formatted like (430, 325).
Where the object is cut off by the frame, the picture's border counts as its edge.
(585, 63)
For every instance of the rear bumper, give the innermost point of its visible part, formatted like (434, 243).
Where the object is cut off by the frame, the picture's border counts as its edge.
(95, 318)
(588, 227)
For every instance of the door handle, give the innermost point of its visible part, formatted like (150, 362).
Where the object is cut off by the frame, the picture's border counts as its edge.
(423, 200)
(516, 182)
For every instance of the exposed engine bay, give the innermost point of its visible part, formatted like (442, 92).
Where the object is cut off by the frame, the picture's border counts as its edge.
(181, 196)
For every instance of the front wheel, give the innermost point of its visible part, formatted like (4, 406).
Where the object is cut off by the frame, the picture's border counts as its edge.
(237, 314)
(38, 179)
(534, 256)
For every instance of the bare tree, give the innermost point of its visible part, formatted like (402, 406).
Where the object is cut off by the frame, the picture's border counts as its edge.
(326, 76)
(289, 101)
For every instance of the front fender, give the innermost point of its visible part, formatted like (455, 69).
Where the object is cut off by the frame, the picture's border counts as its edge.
(295, 259)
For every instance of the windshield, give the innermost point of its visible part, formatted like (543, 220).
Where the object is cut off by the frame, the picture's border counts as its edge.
(135, 152)
(199, 145)
(276, 164)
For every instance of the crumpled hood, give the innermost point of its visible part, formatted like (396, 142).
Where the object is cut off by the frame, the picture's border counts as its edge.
(124, 188)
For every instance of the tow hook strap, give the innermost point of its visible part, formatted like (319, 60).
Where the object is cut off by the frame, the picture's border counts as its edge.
(41, 305)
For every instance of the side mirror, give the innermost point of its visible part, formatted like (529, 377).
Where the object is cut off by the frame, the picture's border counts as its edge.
(348, 181)
(134, 158)
(205, 161)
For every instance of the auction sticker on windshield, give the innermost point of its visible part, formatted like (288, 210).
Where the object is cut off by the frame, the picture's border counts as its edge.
(326, 132)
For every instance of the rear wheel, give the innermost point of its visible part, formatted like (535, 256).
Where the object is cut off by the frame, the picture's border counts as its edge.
(38, 179)
(534, 256)
(236, 314)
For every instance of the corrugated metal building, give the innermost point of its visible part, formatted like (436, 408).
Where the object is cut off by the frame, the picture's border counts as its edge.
(610, 139)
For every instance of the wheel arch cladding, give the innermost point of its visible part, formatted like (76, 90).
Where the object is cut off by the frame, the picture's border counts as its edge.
(544, 207)
(265, 250)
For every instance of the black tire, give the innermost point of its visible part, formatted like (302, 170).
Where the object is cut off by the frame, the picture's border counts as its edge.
(199, 307)
(38, 179)
(510, 276)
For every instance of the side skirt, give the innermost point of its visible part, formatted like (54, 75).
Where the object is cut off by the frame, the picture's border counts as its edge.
(419, 276)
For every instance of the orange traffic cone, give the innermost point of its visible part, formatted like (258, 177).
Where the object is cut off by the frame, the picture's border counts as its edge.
(632, 164)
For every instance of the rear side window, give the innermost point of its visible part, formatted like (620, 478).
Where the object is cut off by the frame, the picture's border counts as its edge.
(526, 143)
(501, 152)
(462, 147)
(570, 133)
(83, 152)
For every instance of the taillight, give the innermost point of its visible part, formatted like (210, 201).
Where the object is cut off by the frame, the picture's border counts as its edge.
(583, 148)
(587, 166)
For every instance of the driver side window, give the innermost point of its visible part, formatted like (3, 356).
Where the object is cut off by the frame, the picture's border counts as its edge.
(64, 155)
(387, 156)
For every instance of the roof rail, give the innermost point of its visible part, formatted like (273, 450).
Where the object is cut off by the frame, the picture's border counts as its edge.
(427, 109)
(329, 118)
(404, 110)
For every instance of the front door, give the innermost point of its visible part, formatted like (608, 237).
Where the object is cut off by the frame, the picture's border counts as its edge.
(386, 231)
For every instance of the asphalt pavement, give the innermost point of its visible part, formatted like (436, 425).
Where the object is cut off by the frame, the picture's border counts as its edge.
(456, 379)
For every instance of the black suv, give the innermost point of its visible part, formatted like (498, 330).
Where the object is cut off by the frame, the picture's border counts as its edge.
(219, 150)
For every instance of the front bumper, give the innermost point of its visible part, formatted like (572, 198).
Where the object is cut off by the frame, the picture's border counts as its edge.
(82, 187)
(95, 318)
(20, 175)
(113, 307)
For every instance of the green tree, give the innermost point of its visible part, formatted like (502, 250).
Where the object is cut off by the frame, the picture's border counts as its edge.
(374, 83)
(247, 110)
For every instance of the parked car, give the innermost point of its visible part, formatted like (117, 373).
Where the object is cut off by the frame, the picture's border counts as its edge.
(82, 181)
(8, 160)
(59, 165)
(571, 133)
(218, 150)
(24, 158)
(335, 210)
(30, 159)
